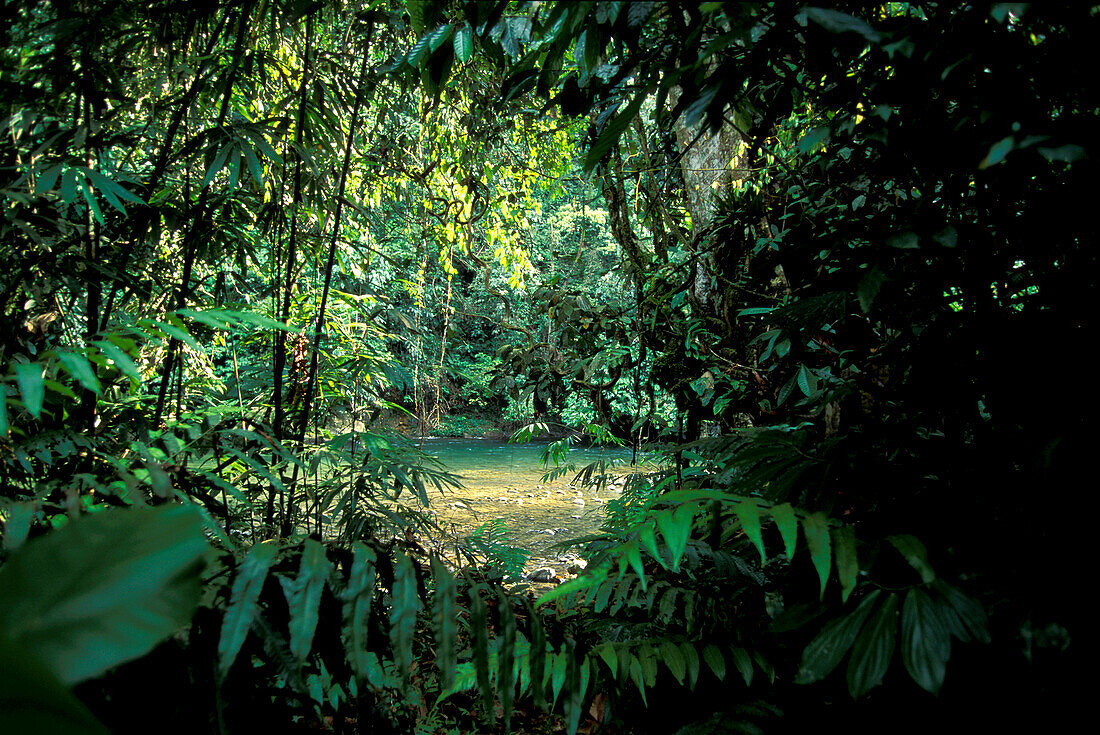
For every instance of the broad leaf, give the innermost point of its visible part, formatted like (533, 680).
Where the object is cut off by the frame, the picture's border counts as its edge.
(873, 649)
(847, 563)
(816, 527)
(103, 589)
(31, 385)
(81, 370)
(829, 646)
(33, 700)
(914, 552)
(925, 640)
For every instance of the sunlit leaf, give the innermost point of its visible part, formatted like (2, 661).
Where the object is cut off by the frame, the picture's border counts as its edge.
(28, 375)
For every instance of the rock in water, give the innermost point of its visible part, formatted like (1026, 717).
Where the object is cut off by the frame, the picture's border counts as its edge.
(543, 574)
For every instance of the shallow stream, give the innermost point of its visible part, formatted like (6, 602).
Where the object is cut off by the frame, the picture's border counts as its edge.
(505, 481)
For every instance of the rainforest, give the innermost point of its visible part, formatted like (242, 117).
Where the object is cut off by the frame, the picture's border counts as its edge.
(486, 366)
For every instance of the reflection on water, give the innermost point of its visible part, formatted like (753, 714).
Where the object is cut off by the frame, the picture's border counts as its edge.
(505, 481)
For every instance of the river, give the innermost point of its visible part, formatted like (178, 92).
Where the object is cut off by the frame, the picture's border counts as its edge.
(505, 481)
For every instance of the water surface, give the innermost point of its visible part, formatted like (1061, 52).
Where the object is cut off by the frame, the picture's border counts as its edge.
(505, 481)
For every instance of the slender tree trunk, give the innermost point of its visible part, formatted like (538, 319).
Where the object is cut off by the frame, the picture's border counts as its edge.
(307, 399)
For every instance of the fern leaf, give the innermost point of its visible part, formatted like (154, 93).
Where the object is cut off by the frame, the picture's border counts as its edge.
(506, 682)
(244, 602)
(405, 606)
(538, 656)
(303, 597)
(479, 625)
(445, 616)
(357, 599)
(557, 675)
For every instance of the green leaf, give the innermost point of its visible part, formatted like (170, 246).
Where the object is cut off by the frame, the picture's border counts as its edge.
(869, 287)
(847, 563)
(17, 525)
(873, 649)
(835, 21)
(357, 598)
(807, 381)
(610, 135)
(997, 152)
(813, 139)
(633, 555)
(445, 617)
(244, 602)
(33, 700)
(787, 524)
(904, 241)
(648, 539)
(179, 333)
(103, 589)
(676, 528)
(464, 44)
(610, 656)
(829, 646)
(925, 641)
(405, 606)
(121, 360)
(674, 660)
(743, 664)
(713, 656)
(691, 661)
(79, 367)
(969, 613)
(31, 385)
(537, 656)
(816, 528)
(748, 513)
(4, 427)
(506, 679)
(479, 627)
(558, 667)
(303, 597)
(89, 198)
(914, 552)
(634, 670)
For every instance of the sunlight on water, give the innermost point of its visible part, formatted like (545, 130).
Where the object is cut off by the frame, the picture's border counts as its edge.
(505, 481)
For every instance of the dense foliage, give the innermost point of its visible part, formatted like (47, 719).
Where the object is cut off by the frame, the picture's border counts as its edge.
(825, 262)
